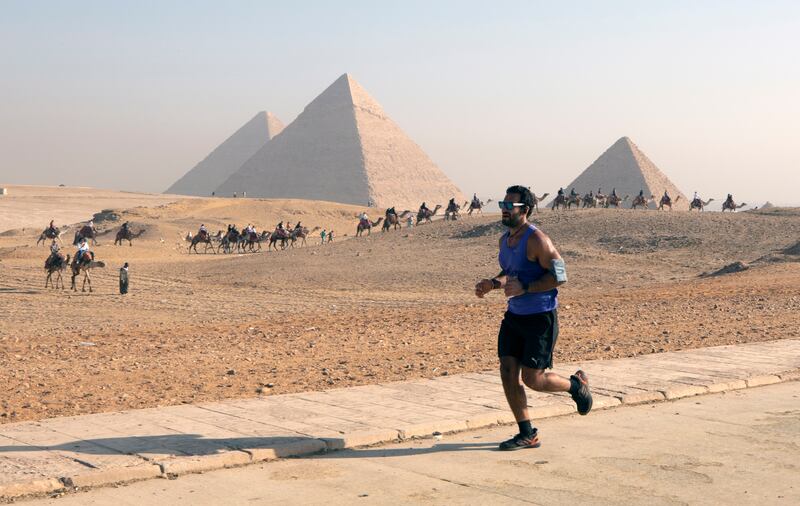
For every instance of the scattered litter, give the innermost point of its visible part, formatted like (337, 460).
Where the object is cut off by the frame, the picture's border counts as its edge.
(86, 343)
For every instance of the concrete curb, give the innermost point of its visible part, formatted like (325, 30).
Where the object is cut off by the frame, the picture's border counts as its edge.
(606, 397)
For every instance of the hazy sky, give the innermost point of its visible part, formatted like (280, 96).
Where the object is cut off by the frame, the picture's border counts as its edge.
(131, 95)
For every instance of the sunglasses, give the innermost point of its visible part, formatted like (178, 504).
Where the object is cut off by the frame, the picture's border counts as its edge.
(506, 205)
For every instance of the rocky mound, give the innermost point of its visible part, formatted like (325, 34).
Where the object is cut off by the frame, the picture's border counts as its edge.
(728, 269)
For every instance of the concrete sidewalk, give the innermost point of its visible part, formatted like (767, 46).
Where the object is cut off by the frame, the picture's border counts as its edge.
(737, 448)
(92, 450)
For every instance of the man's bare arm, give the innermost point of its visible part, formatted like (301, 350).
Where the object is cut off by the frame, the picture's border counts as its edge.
(541, 249)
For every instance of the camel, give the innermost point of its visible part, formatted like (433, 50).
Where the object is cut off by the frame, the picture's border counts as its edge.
(86, 264)
(56, 267)
(49, 233)
(589, 200)
(642, 201)
(299, 233)
(86, 232)
(666, 201)
(559, 201)
(123, 235)
(614, 200)
(230, 239)
(205, 239)
(536, 200)
(699, 204)
(730, 205)
(393, 220)
(451, 213)
(367, 225)
(252, 242)
(281, 235)
(476, 205)
(427, 215)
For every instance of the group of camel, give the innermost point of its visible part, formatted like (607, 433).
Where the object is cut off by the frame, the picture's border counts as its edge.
(424, 215)
(593, 200)
(243, 242)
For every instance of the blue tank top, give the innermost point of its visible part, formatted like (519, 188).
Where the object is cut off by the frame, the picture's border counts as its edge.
(514, 261)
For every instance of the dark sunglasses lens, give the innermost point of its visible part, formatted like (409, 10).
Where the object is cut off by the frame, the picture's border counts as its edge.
(506, 205)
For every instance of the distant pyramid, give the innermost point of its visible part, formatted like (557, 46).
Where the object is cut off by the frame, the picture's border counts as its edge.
(226, 159)
(343, 148)
(623, 166)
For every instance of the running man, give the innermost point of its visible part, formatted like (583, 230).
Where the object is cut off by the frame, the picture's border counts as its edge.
(531, 270)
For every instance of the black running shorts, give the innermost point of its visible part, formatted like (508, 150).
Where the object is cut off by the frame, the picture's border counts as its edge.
(529, 338)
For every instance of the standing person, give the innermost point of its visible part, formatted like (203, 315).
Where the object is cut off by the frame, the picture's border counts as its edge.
(532, 268)
(409, 221)
(322, 235)
(330, 236)
(123, 279)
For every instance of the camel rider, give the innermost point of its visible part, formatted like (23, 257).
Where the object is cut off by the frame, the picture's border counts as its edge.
(451, 206)
(52, 226)
(83, 247)
(573, 193)
(730, 198)
(298, 226)
(666, 196)
(203, 231)
(125, 228)
(695, 197)
(363, 219)
(561, 192)
(390, 212)
(475, 200)
(641, 193)
(423, 209)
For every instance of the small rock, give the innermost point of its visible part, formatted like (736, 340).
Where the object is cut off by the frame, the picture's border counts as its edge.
(231, 372)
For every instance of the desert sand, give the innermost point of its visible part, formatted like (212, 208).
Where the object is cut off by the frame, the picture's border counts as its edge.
(391, 306)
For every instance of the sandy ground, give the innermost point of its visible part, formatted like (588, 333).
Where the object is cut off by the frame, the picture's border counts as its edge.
(387, 307)
(734, 448)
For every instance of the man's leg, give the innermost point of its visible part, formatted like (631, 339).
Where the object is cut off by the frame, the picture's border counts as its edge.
(528, 436)
(541, 381)
(513, 388)
(577, 385)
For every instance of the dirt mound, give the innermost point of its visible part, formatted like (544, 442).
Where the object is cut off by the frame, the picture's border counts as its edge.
(106, 215)
(632, 245)
(728, 269)
(793, 250)
(490, 229)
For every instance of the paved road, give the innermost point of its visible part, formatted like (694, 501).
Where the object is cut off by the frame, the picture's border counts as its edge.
(740, 447)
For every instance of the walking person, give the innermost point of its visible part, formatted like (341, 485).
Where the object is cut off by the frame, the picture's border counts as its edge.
(532, 269)
(322, 235)
(123, 279)
(330, 236)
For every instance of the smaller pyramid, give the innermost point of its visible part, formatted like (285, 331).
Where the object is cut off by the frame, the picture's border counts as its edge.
(625, 167)
(226, 159)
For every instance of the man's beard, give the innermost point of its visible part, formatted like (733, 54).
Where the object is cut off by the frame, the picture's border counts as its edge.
(512, 221)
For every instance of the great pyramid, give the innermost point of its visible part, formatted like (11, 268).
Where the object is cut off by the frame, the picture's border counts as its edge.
(226, 159)
(343, 148)
(623, 166)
